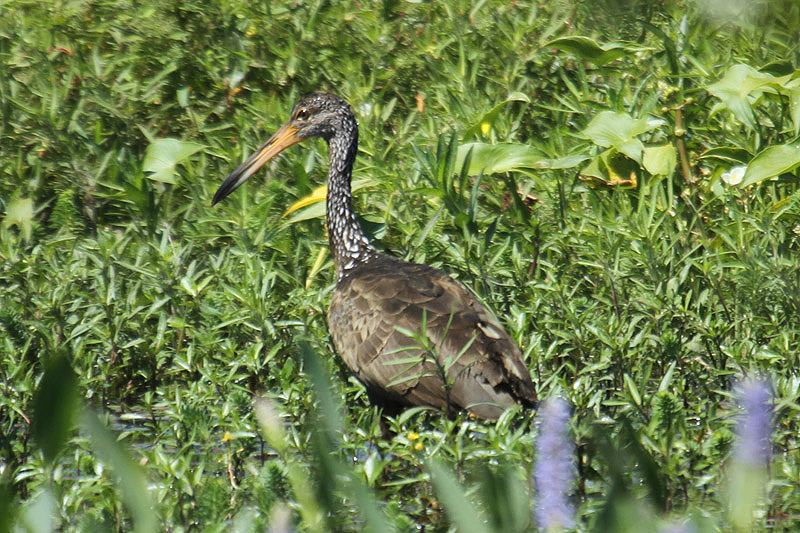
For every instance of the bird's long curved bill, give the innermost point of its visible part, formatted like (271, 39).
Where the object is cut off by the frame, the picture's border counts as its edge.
(283, 138)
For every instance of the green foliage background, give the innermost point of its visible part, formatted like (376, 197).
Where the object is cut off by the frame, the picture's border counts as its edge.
(640, 285)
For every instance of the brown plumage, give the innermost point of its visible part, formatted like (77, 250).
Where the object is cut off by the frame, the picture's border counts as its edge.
(411, 333)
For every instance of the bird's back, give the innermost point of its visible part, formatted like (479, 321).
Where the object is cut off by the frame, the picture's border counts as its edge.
(415, 336)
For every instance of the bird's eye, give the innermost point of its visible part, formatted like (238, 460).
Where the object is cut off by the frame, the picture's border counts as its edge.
(301, 114)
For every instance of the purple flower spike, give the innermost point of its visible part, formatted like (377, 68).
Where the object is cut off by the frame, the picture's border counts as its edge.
(754, 427)
(553, 473)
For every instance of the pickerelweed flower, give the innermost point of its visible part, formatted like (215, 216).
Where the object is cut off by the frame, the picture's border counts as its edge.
(748, 472)
(553, 473)
(755, 425)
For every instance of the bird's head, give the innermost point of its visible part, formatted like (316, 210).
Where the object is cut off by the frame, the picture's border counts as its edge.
(314, 115)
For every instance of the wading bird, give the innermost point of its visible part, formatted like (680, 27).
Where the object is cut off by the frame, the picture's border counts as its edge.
(412, 334)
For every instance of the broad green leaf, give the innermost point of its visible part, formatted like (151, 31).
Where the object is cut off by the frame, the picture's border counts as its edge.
(772, 162)
(20, 214)
(130, 478)
(596, 169)
(619, 130)
(488, 119)
(728, 154)
(794, 106)
(570, 161)
(611, 169)
(163, 156)
(590, 50)
(740, 86)
(496, 158)
(659, 160)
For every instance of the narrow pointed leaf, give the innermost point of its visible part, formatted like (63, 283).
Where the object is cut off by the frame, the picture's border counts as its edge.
(130, 478)
(460, 510)
(54, 407)
(590, 50)
(489, 118)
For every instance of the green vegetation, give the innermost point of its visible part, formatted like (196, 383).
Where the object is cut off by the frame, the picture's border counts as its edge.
(616, 179)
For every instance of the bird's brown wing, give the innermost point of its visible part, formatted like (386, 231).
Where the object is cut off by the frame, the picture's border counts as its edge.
(414, 335)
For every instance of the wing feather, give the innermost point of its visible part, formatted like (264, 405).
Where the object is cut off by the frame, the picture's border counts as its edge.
(414, 335)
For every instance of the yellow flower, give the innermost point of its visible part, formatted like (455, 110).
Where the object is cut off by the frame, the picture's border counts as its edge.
(227, 437)
(418, 446)
(412, 435)
(485, 127)
(251, 31)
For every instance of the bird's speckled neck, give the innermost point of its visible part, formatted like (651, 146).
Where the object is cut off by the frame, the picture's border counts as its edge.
(349, 245)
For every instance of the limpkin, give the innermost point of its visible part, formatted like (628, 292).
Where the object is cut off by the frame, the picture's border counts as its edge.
(412, 334)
